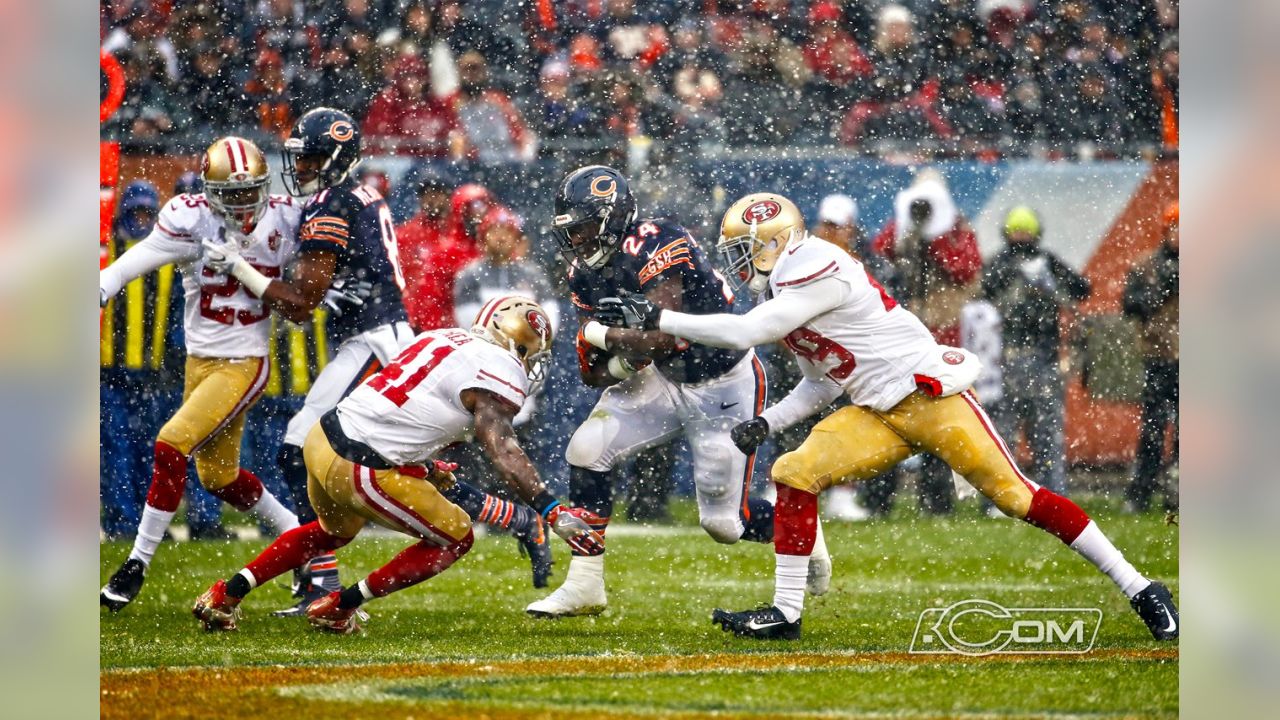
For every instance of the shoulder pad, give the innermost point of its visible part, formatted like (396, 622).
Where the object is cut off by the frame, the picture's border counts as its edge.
(806, 261)
(179, 217)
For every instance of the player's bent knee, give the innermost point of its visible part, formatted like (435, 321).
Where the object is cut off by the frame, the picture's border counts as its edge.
(589, 448)
(727, 530)
(1013, 500)
(178, 435)
(791, 470)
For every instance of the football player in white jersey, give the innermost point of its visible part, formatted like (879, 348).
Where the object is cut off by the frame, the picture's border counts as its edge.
(226, 339)
(371, 459)
(908, 395)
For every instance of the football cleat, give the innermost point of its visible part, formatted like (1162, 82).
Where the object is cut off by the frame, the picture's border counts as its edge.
(216, 610)
(764, 623)
(1155, 606)
(581, 594)
(305, 598)
(123, 586)
(326, 615)
(539, 552)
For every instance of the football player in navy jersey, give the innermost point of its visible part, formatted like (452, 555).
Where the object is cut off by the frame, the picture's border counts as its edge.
(658, 387)
(347, 260)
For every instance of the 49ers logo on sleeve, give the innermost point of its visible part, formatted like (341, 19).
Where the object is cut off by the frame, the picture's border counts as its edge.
(538, 322)
(952, 357)
(341, 131)
(761, 212)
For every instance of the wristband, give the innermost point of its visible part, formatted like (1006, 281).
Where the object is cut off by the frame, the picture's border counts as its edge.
(620, 368)
(546, 501)
(594, 333)
(253, 281)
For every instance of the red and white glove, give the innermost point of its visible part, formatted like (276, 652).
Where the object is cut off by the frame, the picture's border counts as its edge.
(573, 526)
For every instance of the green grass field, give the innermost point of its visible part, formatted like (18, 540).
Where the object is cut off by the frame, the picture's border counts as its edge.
(461, 646)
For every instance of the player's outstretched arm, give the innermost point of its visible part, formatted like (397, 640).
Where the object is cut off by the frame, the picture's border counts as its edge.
(154, 252)
(638, 343)
(497, 438)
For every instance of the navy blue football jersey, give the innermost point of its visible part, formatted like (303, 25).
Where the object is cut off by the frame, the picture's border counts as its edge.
(654, 250)
(353, 221)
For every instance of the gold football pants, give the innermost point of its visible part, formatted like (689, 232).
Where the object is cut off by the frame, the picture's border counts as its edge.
(345, 496)
(217, 392)
(855, 443)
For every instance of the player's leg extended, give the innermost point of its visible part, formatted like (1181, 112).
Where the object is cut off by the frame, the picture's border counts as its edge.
(721, 473)
(206, 410)
(958, 430)
(218, 466)
(850, 445)
(631, 416)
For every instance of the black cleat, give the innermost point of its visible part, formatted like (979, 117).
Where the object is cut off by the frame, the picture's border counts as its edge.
(305, 598)
(539, 552)
(123, 586)
(1155, 606)
(766, 623)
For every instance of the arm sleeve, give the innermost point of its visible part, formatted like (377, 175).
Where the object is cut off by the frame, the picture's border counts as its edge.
(152, 253)
(806, 398)
(767, 322)
(325, 231)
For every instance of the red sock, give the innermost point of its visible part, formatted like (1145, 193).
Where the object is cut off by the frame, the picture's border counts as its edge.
(168, 478)
(795, 521)
(292, 549)
(415, 564)
(243, 492)
(1053, 513)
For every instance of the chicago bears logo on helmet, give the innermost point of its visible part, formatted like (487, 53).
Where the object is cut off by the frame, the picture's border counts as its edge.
(341, 131)
(604, 186)
(761, 212)
(952, 357)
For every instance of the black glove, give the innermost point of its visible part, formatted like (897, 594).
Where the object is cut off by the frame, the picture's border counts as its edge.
(346, 294)
(749, 435)
(631, 311)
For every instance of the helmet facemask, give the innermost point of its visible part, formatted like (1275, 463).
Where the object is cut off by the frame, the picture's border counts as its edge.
(748, 259)
(240, 204)
(586, 240)
(327, 175)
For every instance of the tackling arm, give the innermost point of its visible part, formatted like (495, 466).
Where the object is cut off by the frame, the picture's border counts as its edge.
(806, 398)
(770, 321)
(651, 344)
(296, 298)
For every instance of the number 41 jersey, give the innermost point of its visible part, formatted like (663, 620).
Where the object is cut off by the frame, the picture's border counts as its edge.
(224, 320)
(411, 409)
(352, 221)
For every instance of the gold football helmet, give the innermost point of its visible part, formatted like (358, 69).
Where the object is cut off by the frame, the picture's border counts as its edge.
(520, 325)
(235, 181)
(753, 233)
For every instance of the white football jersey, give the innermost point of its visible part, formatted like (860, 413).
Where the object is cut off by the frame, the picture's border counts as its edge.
(868, 344)
(411, 409)
(224, 320)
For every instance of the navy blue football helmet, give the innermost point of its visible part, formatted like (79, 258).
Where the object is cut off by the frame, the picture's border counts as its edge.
(329, 140)
(594, 208)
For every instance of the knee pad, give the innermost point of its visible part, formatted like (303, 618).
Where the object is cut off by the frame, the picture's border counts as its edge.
(792, 471)
(723, 529)
(589, 447)
(178, 435)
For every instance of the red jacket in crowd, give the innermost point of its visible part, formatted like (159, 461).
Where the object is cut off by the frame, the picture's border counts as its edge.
(434, 250)
(405, 116)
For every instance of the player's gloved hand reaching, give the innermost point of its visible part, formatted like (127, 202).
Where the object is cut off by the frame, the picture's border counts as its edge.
(440, 474)
(631, 311)
(749, 435)
(220, 257)
(571, 525)
(346, 294)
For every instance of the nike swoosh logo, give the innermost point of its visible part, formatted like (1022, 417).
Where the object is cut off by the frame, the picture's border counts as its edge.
(1173, 624)
(726, 406)
(753, 625)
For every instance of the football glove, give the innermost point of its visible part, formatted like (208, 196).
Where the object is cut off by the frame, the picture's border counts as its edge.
(749, 435)
(346, 294)
(220, 257)
(571, 525)
(631, 311)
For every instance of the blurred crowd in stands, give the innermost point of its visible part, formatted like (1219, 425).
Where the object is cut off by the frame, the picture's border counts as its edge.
(500, 82)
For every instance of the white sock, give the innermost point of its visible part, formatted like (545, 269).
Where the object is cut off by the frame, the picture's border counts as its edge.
(1097, 549)
(788, 584)
(585, 569)
(275, 514)
(819, 543)
(150, 532)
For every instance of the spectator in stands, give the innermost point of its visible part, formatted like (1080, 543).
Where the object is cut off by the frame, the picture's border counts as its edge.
(209, 89)
(831, 53)
(142, 29)
(770, 70)
(901, 99)
(337, 78)
(935, 254)
(268, 96)
(562, 113)
(1090, 115)
(1031, 287)
(456, 247)
(152, 108)
(1151, 297)
(503, 269)
(420, 240)
(418, 33)
(405, 118)
(492, 128)
(282, 25)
